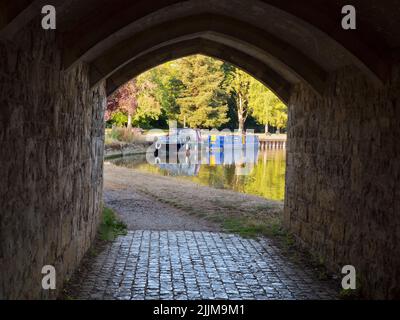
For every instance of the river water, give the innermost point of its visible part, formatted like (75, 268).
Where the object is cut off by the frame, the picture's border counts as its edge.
(264, 177)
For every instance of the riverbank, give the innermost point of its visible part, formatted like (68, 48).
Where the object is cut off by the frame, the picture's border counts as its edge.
(245, 214)
(121, 142)
(121, 149)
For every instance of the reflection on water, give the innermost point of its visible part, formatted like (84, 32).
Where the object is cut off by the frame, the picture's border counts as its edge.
(266, 176)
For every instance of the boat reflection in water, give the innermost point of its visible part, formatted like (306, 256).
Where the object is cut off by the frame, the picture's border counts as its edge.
(220, 165)
(266, 177)
(180, 169)
(242, 159)
(242, 152)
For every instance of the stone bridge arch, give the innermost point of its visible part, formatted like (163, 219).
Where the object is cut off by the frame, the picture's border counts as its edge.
(280, 86)
(342, 89)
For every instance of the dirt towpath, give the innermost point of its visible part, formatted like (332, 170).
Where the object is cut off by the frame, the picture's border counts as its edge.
(147, 201)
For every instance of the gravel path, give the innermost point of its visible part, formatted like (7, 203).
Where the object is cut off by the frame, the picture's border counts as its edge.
(141, 212)
(147, 201)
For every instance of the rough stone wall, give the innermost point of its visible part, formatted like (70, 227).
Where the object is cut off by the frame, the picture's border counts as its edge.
(51, 151)
(343, 177)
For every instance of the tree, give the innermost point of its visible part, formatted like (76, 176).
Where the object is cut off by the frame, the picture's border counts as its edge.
(136, 100)
(280, 116)
(202, 101)
(148, 105)
(252, 98)
(262, 103)
(197, 91)
(240, 87)
(125, 100)
(168, 88)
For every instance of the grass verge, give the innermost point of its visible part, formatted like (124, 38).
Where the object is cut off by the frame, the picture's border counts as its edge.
(111, 227)
(252, 228)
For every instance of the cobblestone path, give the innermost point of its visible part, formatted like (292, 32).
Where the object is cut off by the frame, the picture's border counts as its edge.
(196, 265)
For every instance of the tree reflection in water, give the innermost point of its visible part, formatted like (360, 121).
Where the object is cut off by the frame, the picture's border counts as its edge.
(265, 178)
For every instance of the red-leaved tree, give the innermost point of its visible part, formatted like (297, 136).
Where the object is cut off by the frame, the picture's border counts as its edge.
(125, 100)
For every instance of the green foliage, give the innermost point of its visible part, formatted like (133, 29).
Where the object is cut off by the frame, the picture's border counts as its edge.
(202, 101)
(149, 106)
(111, 227)
(266, 107)
(169, 88)
(119, 118)
(262, 102)
(199, 92)
(279, 115)
(240, 89)
(250, 99)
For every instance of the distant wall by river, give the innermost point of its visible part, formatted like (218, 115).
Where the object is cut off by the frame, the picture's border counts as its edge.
(116, 150)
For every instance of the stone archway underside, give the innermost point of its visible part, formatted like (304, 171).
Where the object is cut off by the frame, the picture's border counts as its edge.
(297, 41)
(341, 88)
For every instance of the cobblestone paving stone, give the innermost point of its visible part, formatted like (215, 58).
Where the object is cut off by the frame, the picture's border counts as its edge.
(185, 265)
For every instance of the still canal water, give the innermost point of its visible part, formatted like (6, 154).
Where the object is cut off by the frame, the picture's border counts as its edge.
(266, 176)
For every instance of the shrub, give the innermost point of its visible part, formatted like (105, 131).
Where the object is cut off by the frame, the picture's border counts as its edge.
(116, 134)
